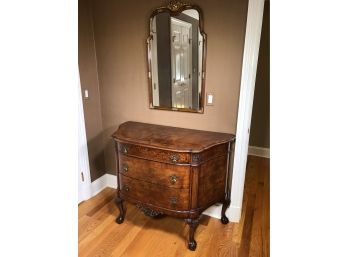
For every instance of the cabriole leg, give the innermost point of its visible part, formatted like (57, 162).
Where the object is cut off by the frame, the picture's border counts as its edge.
(193, 223)
(224, 219)
(119, 203)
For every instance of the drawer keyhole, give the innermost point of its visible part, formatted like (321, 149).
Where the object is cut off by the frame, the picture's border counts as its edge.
(173, 201)
(124, 150)
(173, 179)
(126, 188)
(125, 168)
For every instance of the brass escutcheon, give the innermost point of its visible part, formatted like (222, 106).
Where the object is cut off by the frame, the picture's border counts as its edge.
(173, 179)
(173, 201)
(174, 158)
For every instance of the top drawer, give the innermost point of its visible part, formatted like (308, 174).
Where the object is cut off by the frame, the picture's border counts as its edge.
(154, 154)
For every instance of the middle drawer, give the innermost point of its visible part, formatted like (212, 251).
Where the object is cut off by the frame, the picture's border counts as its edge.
(169, 175)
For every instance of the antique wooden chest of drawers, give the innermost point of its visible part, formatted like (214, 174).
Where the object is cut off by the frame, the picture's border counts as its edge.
(174, 171)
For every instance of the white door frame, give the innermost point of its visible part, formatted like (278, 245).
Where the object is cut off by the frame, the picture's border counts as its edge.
(246, 98)
(84, 186)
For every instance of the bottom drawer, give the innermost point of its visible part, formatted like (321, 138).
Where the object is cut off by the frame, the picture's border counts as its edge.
(160, 196)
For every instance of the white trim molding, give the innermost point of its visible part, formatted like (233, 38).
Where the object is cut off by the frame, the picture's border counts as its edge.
(214, 211)
(107, 180)
(249, 68)
(234, 213)
(259, 151)
(84, 185)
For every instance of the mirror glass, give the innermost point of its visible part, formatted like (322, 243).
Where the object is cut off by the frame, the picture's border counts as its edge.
(176, 72)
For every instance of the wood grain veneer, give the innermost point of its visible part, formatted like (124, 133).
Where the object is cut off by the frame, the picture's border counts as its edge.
(174, 171)
(155, 172)
(141, 236)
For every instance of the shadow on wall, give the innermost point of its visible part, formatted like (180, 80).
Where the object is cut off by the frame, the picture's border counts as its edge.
(96, 157)
(110, 149)
(260, 121)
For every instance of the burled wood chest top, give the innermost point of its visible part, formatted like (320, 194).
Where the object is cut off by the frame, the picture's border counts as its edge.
(170, 138)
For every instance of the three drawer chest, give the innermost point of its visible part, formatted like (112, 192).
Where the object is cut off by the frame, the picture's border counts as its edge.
(172, 171)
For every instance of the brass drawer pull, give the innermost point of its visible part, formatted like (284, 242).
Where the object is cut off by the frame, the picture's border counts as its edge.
(125, 168)
(124, 150)
(173, 201)
(174, 158)
(173, 179)
(126, 188)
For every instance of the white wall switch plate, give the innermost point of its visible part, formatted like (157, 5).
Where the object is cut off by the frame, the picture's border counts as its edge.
(210, 99)
(86, 93)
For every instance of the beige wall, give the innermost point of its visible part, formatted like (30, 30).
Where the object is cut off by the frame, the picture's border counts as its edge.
(89, 80)
(259, 132)
(121, 29)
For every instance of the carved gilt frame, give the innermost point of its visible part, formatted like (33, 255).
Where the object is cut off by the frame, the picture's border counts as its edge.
(174, 8)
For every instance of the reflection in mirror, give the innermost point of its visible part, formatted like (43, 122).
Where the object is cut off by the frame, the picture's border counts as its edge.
(176, 56)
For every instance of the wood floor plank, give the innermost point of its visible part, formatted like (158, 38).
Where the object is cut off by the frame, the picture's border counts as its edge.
(99, 206)
(120, 248)
(266, 209)
(139, 235)
(166, 234)
(86, 226)
(87, 206)
(246, 235)
(221, 244)
(103, 240)
(204, 238)
(256, 239)
(107, 209)
(91, 239)
(238, 229)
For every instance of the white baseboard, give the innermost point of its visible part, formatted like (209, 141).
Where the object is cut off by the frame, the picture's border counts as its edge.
(107, 180)
(233, 213)
(111, 181)
(214, 211)
(259, 151)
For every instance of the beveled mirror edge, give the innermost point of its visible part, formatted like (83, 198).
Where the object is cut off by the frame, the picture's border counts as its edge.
(174, 8)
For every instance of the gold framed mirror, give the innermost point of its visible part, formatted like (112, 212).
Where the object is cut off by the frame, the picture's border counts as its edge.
(177, 58)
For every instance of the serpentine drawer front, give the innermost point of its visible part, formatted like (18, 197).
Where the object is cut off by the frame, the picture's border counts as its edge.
(155, 172)
(154, 154)
(156, 195)
(172, 171)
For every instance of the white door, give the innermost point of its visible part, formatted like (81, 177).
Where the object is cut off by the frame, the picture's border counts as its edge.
(154, 65)
(181, 35)
(83, 173)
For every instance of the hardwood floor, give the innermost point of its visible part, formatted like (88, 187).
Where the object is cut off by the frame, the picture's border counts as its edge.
(140, 235)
